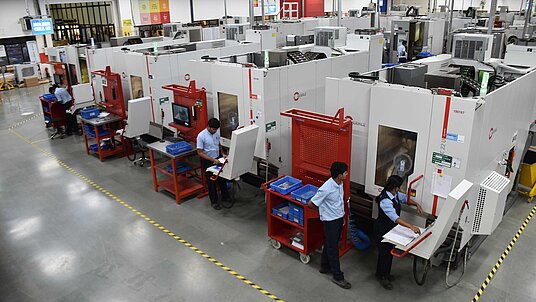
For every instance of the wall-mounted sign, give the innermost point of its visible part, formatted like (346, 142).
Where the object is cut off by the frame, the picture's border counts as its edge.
(42, 26)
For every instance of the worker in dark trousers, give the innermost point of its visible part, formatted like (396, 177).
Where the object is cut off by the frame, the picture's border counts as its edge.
(330, 203)
(390, 203)
(63, 96)
(208, 149)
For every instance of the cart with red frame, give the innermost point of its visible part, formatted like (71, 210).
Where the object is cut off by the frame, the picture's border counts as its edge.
(318, 140)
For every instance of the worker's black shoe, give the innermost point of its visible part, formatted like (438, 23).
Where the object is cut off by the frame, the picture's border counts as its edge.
(391, 278)
(216, 206)
(342, 283)
(324, 271)
(384, 282)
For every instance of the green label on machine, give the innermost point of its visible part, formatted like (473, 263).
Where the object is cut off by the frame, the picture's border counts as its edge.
(270, 126)
(442, 159)
(164, 100)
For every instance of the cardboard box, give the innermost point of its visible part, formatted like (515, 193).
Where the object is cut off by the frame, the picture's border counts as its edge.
(31, 81)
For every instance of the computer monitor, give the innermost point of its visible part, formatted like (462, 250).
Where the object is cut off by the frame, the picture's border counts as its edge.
(181, 115)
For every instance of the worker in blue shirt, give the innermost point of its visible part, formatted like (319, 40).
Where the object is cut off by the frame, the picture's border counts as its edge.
(389, 201)
(402, 52)
(63, 97)
(208, 149)
(330, 203)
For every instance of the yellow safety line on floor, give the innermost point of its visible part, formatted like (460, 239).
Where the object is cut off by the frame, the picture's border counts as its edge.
(148, 219)
(503, 256)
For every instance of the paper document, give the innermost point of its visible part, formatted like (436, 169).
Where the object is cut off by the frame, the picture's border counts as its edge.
(104, 114)
(441, 185)
(222, 160)
(401, 235)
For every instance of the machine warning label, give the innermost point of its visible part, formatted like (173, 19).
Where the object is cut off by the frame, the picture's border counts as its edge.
(442, 159)
(270, 126)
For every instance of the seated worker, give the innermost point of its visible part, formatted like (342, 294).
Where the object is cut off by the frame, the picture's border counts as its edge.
(208, 149)
(389, 201)
(63, 97)
(402, 52)
(329, 200)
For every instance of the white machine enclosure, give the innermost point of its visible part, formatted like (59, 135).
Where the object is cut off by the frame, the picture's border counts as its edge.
(143, 74)
(259, 95)
(267, 38)
(68, 55)
(373, 43)
(82, 96)
(518, 55)
(26, 70)
(241, 152)
(456, 138)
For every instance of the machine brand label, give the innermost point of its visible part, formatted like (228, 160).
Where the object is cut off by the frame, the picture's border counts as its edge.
(187, 77)
(298, 95)
(455, 137)
(459, 111)
(361, 124)
(442, 159)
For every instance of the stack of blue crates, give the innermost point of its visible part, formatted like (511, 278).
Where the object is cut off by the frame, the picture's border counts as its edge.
(90, 130)
(178, 148)
(181, 167)
(295, 213)
(94, 148)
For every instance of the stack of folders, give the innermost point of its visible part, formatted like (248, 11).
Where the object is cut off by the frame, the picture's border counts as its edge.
(297, 240)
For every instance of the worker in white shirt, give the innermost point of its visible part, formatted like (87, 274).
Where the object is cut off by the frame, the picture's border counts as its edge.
(390, 203)
(402, 52)
(63, 97)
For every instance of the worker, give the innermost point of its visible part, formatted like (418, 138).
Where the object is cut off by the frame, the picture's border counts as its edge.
(208, 149)
(63, 97)
(402, 52)
(389, 201)
(329, 200)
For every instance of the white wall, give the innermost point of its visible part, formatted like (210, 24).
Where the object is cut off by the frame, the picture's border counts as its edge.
(10, 13)
(346, 5)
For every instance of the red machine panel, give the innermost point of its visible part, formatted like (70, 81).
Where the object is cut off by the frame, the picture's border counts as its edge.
(113, 92)
(190, 114)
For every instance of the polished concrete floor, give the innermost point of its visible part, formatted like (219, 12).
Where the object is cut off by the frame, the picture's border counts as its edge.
(63, 240)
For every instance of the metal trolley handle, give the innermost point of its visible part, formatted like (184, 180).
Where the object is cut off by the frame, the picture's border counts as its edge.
(395, 254)
(215, 177)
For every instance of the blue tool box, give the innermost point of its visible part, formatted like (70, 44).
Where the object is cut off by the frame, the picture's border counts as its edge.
(49, 97)
(178, 148)
(295, 210)
(304, 194)
(295, 219)
(286, 185)
(180, 167)
(90, 113)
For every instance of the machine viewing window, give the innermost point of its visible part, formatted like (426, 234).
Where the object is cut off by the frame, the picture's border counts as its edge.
(395, 154)
(228, 110)
(181, 115)
(137, 87)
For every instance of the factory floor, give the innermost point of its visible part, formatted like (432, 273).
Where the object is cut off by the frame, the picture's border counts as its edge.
(73, 228)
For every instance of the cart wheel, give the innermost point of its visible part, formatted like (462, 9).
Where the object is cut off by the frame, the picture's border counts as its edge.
(275, 244)
(305, 258)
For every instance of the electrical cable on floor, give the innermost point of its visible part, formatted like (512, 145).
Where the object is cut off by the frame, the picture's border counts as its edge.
(422, 279)
(452, 252)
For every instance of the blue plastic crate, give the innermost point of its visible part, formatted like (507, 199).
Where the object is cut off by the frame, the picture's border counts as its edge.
(295, 219)
(295, 210)
(90, 113)
(281, 210)
(304, 194)
(286, 185)
(181, 167)
(179, 147)
(93, 147)
(49, 97)
(426, 54)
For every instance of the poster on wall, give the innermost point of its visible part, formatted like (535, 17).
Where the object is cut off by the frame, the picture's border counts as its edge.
(154, 11)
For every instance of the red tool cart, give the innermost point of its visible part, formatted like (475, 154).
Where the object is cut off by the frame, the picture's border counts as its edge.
(53, 113)
(318, 140)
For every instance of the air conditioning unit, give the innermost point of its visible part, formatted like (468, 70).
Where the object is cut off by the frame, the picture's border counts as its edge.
(330, 36)
(472, 46)
(26, 70)
(491, 199)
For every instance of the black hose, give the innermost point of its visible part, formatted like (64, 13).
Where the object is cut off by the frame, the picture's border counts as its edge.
(420, 281)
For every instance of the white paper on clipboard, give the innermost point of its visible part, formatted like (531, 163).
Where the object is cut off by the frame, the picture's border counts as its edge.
(441, 185)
